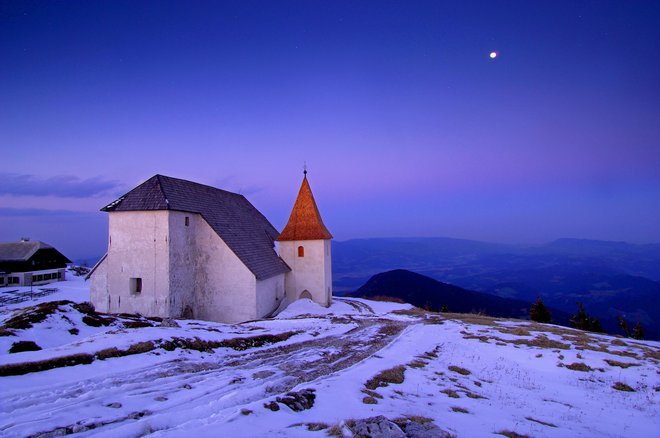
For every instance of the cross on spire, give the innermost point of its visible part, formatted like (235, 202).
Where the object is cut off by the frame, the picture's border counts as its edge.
(305, 168)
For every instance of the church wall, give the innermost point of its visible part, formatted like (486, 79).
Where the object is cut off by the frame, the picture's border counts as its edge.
(327, 271)
(311, 272)
(225, 288)
(99, 288)
(138, 249)
(182, 258)
(270, 292)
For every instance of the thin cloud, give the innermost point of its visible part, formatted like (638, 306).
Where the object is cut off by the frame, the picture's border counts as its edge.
(65, 186)
(39, 212)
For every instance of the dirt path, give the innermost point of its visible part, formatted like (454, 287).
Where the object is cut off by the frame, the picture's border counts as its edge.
(357, 305)
(188, 389)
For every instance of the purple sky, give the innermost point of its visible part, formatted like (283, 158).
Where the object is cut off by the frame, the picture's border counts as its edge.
(406, 124)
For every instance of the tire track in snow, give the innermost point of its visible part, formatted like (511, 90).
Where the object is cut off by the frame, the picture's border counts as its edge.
(191, 389)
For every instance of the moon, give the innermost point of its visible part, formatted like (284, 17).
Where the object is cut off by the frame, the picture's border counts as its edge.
(493, 55)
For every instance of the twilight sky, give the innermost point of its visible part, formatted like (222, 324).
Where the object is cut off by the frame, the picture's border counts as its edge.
(407, 126)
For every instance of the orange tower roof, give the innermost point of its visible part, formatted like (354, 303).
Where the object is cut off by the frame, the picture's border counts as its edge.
(305, 222)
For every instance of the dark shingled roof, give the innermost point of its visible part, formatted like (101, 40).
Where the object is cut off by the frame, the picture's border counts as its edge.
(243, 228)
(22, 251)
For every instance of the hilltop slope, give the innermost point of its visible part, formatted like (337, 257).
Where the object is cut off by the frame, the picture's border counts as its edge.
(425, 292)
(611, 279)
(314, 370)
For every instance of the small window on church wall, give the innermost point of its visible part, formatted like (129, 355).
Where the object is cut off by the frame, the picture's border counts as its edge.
(301, 251)
(136, 285)
(187, 221)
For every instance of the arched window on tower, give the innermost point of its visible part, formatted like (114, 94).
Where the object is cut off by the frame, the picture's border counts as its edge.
(301, 251)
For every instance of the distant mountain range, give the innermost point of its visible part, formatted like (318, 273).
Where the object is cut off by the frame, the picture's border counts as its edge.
(609, 278)
(425, 292)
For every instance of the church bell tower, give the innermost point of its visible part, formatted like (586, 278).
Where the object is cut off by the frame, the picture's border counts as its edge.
(305, 247)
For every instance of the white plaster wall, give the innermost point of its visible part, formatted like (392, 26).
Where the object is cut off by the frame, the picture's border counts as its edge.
(99, 295)
(183, 256)
(225, 289)
(138, 247)
(313, 272)
(270, 292)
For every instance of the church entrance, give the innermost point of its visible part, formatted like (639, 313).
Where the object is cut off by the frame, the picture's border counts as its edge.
(305, 294)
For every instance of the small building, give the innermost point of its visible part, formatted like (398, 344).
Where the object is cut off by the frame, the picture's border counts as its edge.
(28, 263)
(180, 249)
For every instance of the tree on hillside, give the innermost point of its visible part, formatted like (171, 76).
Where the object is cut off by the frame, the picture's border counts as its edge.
(624, 326)
(594, 325)
(539, 313)
(638, 331)
(581, 320)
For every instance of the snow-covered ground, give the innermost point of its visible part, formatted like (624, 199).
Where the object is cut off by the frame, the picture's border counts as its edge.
(469, 376)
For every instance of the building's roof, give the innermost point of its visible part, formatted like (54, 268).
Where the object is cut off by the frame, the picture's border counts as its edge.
(243, 228)
(305, 222)
(22, 251)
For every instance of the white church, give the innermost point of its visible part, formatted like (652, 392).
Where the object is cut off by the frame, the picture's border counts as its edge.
(179, 249)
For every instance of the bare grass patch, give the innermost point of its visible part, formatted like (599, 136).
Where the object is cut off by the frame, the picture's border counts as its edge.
(17, 369)
(450, 393)
(371, 393)
(459, 370)
(384, 378)
(620, 386)
(417, 363)
(390, 330)
(368, 400)
(541, 422)
(579, 366)
(511, 434)
(616, 363)
(415, 311)
(472, 318)
(473, 395)
(20, 346)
